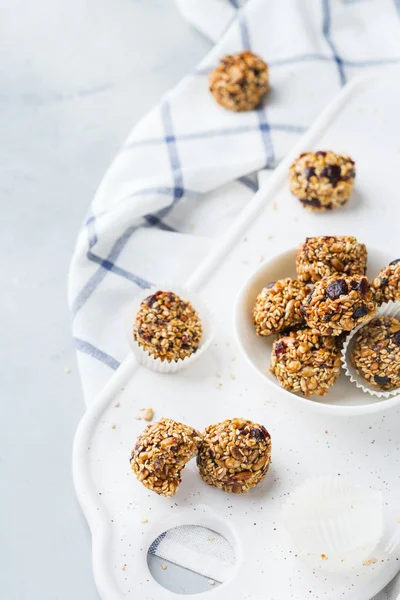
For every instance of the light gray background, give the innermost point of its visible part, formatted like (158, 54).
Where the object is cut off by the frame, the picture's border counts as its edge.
(75, 76)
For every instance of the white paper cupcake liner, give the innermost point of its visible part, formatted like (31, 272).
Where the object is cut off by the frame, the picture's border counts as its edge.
(156, 364)
(390, 309)
(334, 524)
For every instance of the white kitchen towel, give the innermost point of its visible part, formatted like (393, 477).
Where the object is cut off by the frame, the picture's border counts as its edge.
(184, 172)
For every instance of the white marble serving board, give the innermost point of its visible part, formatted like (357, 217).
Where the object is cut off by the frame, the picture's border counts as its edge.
(363, 121)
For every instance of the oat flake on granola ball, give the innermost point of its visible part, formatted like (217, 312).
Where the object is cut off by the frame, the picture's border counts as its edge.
(234, 455)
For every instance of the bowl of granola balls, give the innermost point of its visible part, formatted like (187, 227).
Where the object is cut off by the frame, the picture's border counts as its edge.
(296, 313)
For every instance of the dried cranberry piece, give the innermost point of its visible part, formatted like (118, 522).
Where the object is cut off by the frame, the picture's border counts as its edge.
(332, 172)
(361, 286)
(360, 311)
(280, 348)
(266, 433)
(270, 285)
(396, 338)
(150, 300)
(381, 380)
(311, 202)
(384, 281)
(394, 262)
(328, 316)
(258, 434)
(337, 288)
(309, 172)
(320, 153)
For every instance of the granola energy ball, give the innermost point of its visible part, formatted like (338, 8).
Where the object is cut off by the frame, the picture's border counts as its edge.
(278, 306)
(234, 455)
(160, 453)
(376, 353)
(240, 81)
(306, 362)
(326, 255)
(167, 327)
(322, 180)
(338, 304)
(387, 283)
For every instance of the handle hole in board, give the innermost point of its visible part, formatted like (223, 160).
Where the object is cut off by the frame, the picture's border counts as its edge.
(191, 559)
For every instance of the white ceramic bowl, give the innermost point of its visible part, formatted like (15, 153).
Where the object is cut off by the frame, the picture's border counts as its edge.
(344, 397)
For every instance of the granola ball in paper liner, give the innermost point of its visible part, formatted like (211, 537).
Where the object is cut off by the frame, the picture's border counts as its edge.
(387, 283)
(322, 180)
(278, 306)
(240, 81)
(234, 455)
(306, 362)
(338, 304)
(376, 353)
(327, 255)
(160, 453)
(167, 327)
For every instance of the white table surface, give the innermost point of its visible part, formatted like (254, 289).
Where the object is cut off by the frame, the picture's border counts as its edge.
(74, 77)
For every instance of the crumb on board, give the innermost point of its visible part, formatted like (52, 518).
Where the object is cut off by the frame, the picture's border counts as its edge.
(218, 385)
(123, 567)
(113, 425)
(370, 561)
(326, 431)
(233, 376)
(67, 370)
(270, 236)
(233, 358)
(147, 414)
(117, 405)
(211, 582)
(163, 566)
(218, 375)
(324, 557)
(144, 521)
(211, 538)
(138, 417)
